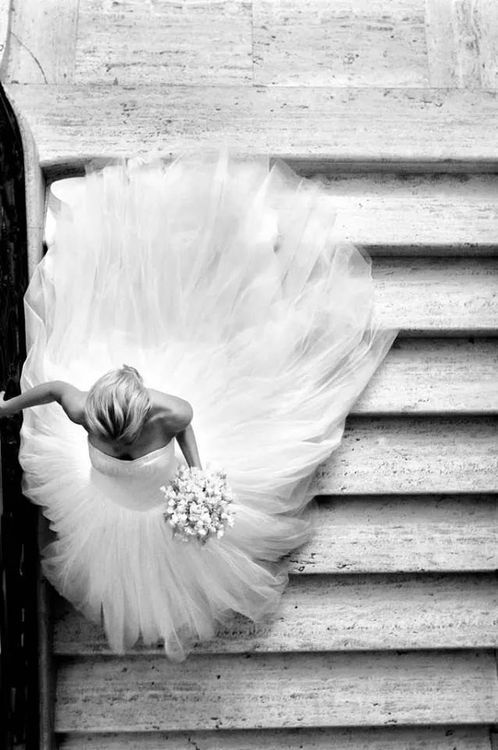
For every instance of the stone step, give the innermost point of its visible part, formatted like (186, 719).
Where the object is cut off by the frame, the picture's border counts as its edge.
(434, 376)
(428, 214)
(412, 455)
(340, 613)
(407, 533)
(270, 691)
(373, 738)
(320, 127)
(422, 296)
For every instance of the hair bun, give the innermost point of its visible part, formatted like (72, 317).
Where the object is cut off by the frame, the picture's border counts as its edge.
(117, 405)
(133, 371)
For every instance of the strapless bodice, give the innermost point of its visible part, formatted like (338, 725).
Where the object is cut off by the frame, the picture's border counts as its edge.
(134, 484)
(152, 462)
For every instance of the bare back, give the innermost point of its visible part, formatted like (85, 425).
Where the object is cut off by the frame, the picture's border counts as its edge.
(169, 416)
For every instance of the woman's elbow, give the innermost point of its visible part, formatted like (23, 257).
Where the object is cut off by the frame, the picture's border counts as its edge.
(187, 414)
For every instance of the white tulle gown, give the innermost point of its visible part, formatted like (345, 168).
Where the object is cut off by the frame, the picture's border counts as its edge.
(221, 282)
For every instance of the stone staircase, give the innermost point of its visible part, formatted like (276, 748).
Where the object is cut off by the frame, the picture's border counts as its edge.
(387, 634)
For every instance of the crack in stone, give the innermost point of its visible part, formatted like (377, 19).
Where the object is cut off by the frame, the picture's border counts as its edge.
(24, 46)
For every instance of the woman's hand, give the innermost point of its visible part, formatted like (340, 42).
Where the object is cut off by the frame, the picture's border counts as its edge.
(5, 406)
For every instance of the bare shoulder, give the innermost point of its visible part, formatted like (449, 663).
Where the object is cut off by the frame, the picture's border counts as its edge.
(176, 412)
(71, 399)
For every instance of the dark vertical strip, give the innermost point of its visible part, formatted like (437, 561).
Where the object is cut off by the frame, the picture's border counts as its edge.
(18, 518)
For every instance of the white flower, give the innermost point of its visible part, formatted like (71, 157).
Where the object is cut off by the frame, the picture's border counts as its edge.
(197, 504)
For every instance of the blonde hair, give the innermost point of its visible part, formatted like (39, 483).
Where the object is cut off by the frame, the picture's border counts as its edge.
(117, 405)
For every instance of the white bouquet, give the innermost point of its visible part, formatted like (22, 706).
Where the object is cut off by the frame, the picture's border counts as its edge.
(198, 504)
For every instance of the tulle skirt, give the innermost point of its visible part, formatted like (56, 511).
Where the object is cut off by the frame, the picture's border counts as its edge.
(221, 281)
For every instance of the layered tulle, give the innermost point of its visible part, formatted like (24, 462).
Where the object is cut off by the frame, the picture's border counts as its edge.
(222, 282)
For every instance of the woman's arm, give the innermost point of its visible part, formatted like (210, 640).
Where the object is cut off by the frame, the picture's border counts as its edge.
(40, 394)
(176, 415)
(186, 441)
(69, 397)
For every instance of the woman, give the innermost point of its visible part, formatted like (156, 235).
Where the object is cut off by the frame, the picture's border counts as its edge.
(121, 416)
(221, 282)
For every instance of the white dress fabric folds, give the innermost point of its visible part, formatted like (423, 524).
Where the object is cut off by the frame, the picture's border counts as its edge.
(220, 280)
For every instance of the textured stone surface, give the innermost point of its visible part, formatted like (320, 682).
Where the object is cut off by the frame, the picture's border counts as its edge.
(434, 376)
(406, 43)
(301, 80)
(422, 126)
(427, 296)
(277, 690)
(373, 738)
(413, 454)
(344, 613)
(358, 534)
